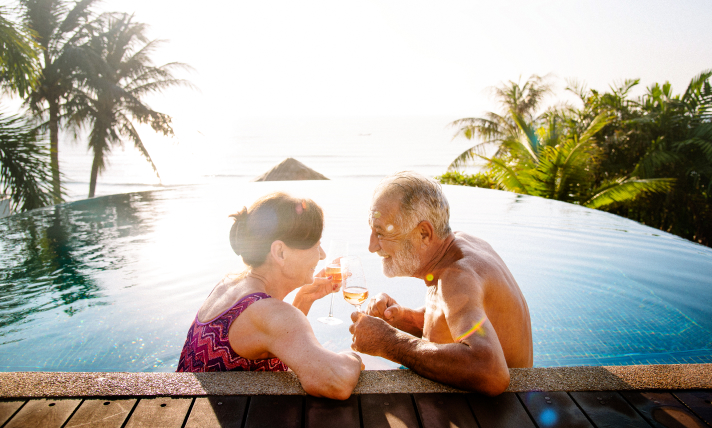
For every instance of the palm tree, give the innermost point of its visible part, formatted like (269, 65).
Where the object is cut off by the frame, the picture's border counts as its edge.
(505, 131)
(59, 28)
(24, 170)
(110, 98)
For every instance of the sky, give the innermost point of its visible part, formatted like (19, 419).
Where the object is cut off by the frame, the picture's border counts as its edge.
(280, 58)
(274, 58)
(393, 57)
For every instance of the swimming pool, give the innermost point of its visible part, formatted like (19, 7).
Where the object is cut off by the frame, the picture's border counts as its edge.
(112, 284)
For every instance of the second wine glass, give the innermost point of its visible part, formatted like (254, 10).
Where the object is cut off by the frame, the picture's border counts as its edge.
(353, 281)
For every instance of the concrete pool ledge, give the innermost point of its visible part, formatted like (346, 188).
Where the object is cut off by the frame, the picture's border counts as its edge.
(606, 378)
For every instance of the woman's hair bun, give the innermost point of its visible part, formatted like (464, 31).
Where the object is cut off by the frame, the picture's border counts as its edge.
(276, 216)
(238, 228)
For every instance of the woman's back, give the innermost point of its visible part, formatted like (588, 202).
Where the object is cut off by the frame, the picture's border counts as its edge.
(208, 347)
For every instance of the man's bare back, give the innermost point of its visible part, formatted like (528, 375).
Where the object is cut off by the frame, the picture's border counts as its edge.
(471, 262)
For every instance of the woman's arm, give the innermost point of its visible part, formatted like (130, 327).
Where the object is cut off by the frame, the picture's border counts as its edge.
(275, 327)
(309, 293)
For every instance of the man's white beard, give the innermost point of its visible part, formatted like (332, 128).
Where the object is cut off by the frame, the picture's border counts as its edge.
(403, 263)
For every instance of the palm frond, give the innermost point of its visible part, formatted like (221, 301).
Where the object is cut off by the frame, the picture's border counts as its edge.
(25, 173)
(627, 190)
(506, 177)
(128, 129)
(527, 135)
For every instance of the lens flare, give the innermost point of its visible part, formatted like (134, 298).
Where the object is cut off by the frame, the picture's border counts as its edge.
(548, 417)
(475, 328)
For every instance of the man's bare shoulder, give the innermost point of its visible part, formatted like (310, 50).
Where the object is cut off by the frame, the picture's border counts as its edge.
(467, 241)
(475, 254)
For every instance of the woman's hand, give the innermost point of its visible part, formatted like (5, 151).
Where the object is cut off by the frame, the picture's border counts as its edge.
(321, 287)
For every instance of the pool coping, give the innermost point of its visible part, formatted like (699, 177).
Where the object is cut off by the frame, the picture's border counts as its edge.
(116, 384)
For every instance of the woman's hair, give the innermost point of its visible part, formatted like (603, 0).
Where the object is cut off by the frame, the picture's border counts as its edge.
(277, 216)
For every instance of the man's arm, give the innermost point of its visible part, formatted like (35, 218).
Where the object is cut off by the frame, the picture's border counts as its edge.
(475, 362)
(405, 319)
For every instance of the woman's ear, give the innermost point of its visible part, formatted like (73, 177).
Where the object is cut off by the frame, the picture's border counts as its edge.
(277, 251)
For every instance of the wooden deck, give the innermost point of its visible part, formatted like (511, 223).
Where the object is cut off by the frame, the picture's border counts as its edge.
(673, 408)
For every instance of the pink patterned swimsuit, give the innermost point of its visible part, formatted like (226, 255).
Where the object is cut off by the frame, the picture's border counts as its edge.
(207, 348)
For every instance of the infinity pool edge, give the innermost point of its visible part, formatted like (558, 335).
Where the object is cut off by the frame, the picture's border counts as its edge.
(115, 384)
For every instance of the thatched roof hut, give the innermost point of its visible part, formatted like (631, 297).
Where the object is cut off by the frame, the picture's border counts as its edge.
(290, 169)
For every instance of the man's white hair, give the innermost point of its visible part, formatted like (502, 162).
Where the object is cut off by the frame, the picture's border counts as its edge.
(422, 198)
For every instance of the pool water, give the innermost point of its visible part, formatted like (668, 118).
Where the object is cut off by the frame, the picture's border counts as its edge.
(113, 283)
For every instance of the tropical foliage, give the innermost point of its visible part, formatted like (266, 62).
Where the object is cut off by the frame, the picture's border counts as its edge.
(19, 70)
(648, 158)
(669, 136)
(74, 69)
(24, 160)
(24, 172)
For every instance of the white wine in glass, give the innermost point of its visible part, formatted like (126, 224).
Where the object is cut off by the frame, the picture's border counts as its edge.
(337, 250)
(354, 282)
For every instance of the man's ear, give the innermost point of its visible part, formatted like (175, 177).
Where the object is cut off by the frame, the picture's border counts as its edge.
(427, 232)
(277, 252)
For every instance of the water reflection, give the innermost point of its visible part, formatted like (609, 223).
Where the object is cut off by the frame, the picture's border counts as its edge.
(50, 257)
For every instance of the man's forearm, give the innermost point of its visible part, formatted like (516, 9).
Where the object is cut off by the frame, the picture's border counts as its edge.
(453, 364)
(411, 322)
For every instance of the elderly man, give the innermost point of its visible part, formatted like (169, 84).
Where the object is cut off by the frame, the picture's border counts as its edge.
(475, 322)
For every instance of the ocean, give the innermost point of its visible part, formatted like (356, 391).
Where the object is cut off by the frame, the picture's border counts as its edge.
(338, 147)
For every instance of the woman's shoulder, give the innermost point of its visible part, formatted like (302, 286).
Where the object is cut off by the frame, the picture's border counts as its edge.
(273, 309)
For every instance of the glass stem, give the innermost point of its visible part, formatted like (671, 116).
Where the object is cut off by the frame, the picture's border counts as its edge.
(331, 307)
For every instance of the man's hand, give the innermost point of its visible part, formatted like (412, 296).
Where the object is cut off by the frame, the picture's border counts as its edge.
(370, 334)
(385, 307)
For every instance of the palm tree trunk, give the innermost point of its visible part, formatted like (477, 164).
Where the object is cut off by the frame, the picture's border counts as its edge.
(94, 173)
(54, 149)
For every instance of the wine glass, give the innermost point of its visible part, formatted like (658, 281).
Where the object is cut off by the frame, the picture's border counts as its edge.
(337, 250)
(354, 282)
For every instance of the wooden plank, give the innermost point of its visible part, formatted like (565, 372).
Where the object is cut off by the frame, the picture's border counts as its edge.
(327, 413)
(43, 413)
(388, 411)
(266, 411)
(162, 412)
(102, 413)
(554, 409)
(502, 411)
(217, 411)
(608, 409)
(700, 402)
(8, 408)
(661, 409)
(444, 410)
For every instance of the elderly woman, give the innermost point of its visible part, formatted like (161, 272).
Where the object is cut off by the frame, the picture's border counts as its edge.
(245, 325)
